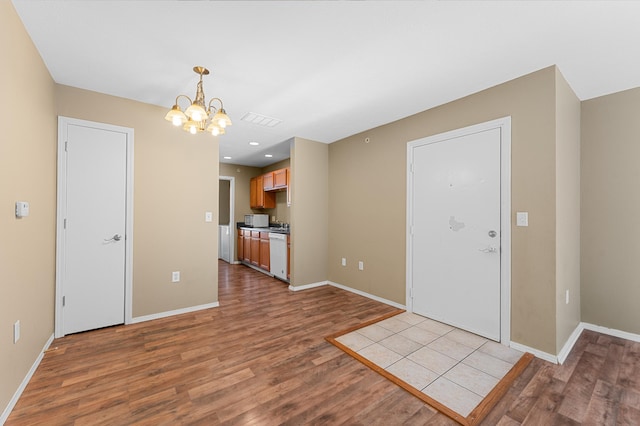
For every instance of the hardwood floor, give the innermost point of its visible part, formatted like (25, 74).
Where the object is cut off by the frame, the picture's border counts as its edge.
(261, 359)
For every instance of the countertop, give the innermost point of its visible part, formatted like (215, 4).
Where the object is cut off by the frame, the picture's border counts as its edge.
(272, 228)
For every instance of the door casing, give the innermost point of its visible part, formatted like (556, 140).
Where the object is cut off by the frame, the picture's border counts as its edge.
(63, 122)
(504, 124)
(232, 230)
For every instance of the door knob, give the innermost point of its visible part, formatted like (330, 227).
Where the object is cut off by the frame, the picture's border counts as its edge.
(492, 233)
(116, 237)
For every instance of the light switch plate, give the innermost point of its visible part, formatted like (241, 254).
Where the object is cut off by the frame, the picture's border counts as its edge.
(208, 216)
(522, 218)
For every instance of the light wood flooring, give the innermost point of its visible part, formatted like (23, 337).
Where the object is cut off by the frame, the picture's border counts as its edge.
(261, 359)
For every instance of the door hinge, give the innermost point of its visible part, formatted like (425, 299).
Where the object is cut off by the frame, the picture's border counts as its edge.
(64, 224)
(66, 146)
(411, 292)
(411, 167)
(63, 300)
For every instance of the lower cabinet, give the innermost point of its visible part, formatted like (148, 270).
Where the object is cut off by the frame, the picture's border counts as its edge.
(265, 253)
(255, 248)
(240, 246)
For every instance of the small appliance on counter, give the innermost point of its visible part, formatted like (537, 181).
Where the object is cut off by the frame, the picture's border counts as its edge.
(256, 220)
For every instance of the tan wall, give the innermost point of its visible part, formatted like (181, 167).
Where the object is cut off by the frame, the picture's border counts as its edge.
(27, 173)
(610, 210)
(367, 199)
(309, 212)
(175, 182)
(567, 210)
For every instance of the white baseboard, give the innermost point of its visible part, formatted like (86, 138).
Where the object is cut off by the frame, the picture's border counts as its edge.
(307, 286)
(370, 296)
(568, 345)
(174, 312)
(25, 381)
(537, 353)
(611, 332)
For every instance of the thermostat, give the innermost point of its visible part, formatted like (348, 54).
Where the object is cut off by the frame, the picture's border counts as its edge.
(22, 209)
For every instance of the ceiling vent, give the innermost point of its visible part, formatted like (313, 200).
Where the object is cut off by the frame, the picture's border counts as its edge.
(261, 120)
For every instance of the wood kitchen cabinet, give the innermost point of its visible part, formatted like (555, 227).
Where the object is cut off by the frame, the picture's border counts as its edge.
(258, 198)
(240, 245)
(280, 179)
(267, 181)
(265, 254)
(255, 248)
(246, 244)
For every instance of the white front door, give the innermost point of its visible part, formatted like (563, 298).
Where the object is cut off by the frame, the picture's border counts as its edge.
(92, 242)
(455, 237)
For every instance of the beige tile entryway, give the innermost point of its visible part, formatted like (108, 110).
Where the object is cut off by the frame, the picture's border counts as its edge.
(452, 366)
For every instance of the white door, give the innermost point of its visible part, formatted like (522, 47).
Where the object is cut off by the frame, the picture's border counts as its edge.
(455, 245)
(92, 241)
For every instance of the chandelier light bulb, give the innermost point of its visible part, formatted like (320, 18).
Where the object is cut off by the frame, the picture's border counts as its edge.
(193, 130)
(176, 121)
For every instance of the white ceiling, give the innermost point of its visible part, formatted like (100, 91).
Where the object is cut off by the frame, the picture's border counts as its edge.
(328, 69)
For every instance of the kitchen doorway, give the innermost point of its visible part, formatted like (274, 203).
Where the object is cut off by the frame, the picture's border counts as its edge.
(458, 228)
(226, 221)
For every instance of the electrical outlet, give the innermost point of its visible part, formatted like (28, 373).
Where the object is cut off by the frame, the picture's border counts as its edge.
(175, 277)
(16, 331)
(361, 265)
(344, 261)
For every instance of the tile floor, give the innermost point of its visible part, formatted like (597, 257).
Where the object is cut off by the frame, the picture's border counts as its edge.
(452, 366)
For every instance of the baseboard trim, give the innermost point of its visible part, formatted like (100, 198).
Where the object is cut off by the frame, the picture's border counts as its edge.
(174, 312)
(370, 296)
(16, 396)
(611, 332)
(568, 345)
(307, 286)
(537, 353)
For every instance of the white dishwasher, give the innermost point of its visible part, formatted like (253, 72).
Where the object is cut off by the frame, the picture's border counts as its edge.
(278, 255)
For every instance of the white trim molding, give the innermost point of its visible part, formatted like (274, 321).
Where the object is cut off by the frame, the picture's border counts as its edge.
(367, 295)
(174, 312)
(14, 399)
(349, 289)
(307, 286)
(538, 354)
(611, 331)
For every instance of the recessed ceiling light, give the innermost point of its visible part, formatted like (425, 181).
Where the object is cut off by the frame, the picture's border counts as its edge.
(227, 158)
(268, 155)
(254, 143)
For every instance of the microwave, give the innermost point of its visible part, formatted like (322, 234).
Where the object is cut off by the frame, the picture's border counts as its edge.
(256, 220)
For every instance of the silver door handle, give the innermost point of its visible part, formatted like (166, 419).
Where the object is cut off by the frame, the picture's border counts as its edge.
(489, 250)
(116, 237)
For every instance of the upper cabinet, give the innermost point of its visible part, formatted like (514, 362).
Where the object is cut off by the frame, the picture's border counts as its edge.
(263, 188)
(258, 198)
(275, 180)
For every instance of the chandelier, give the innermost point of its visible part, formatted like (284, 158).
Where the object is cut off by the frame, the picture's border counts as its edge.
(198, 117)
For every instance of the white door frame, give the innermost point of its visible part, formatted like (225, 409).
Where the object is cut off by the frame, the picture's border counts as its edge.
(504, 124)
(232, 219)
(63, 122)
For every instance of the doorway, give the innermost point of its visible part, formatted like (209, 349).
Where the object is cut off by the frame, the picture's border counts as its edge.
(226, 221)
(94, 226)
(458, 228)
